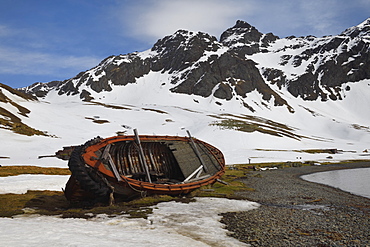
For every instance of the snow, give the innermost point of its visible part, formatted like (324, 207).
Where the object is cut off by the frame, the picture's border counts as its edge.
(186, 224)
(338, 124)
(363, 24)
(171, 223)
(147, 54)
(22, 183)
(233, 37)
(293, 49)
(149, 106)
(93, 74)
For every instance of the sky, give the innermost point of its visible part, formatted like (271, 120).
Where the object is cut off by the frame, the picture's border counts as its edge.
(43, 40)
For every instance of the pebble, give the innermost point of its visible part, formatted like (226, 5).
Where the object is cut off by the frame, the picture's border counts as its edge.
(295, 212)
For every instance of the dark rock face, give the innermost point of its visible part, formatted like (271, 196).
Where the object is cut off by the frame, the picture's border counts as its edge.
(345, 66)
(201, 65)
(39, 89)
(86, 96)
(179, 51)
(329, 62)
(68, 88)
(246, 39)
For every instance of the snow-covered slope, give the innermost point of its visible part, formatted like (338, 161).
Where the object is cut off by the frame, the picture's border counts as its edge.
(256, 97)
(230, 126)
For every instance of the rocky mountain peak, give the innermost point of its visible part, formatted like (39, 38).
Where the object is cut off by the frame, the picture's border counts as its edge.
(245, 38)
(185, 39)
(234, 67)
(242, 24)
(175, 52)
(365, 23)
(241, 32)
(363, 30)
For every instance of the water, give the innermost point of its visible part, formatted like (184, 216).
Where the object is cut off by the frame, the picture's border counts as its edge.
(355, 181)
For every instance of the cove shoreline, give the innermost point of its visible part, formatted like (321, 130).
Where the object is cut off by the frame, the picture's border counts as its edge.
(296, 212)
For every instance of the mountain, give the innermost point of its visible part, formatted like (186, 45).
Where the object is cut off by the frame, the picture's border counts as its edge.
(245, 91)
(243, 60)
(11, 110)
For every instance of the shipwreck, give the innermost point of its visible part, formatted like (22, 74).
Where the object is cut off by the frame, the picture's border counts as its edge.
(131, 166)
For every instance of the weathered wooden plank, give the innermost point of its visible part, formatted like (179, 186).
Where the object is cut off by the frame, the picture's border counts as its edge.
(107, 158)
(142, 156)
(186, 158)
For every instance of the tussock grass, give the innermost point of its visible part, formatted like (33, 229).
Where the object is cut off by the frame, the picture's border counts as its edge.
(18, 170)
(154, 110)
(20, 128)
(16, 92)
(54, 202)
(232, 177)
(109, 106)
(11, 121)
(98, 121)
(310, 151)
(249, 124)
(317, 151)
(32, 202)
(346, 162)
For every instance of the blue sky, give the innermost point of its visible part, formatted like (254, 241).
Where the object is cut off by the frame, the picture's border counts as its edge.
(46, 40)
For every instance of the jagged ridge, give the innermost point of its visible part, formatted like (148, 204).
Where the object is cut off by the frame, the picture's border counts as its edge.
(308, 67)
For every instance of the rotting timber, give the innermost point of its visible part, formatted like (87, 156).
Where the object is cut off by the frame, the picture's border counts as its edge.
(127, 167)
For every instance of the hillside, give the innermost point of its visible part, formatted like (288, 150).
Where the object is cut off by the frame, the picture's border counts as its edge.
(255, 96)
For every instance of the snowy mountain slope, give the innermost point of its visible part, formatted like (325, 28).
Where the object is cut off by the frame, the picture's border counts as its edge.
(314, 124)
(12, 112)
(242, 61)
(252, 95)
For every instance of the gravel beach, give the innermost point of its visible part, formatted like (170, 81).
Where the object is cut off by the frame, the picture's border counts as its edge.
(295, 212)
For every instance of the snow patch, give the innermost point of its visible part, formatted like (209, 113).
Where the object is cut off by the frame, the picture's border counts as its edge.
(22, 183)
(183, 224)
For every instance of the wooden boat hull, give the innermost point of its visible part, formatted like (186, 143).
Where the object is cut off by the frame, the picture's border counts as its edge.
(132, 166)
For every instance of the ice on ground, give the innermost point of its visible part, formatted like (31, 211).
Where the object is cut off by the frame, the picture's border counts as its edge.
(171, 224)
(21, 183)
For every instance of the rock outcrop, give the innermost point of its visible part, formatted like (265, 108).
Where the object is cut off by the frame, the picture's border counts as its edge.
(198, 64)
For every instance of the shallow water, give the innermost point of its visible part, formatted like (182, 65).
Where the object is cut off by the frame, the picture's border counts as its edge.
(355, 181)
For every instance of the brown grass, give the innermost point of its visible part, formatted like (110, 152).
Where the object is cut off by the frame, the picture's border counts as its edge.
(98, 121)
(18, 170)
(54, 203)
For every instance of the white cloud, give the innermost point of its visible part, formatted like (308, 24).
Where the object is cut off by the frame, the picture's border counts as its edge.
(150, 20)
(320, 16)
(314, 17)
(14, 61)
(156, 19)
(26, 53)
